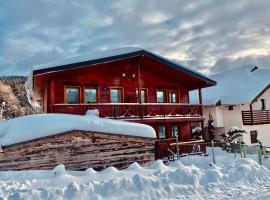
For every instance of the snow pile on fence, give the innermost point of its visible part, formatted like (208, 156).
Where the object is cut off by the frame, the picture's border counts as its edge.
(189, 178)
(41, 125)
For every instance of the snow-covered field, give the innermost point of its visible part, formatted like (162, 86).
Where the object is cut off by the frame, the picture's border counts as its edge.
(191, 177)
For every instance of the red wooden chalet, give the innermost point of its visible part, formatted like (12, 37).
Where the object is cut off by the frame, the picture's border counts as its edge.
(125, 84)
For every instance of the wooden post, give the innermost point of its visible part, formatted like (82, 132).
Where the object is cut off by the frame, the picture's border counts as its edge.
(177, 147)
(200, 96)
(240, 148)
(51, 95)
(139, 90)
(201, 112)
(260, 156)
(213, 152)
(251, 113)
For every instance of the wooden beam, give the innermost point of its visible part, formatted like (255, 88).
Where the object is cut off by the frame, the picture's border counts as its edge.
(52, 97)
(201, 112)
(139, 90)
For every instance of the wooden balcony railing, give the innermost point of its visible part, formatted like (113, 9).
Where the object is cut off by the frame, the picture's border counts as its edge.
(131, 110)
(256, 117)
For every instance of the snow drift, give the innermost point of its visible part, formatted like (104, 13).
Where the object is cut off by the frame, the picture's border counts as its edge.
(190, 178)
(41, 125)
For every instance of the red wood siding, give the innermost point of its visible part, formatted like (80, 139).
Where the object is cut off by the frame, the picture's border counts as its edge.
(155, 76)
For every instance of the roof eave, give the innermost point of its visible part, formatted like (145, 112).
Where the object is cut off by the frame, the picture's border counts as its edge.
(209, 82)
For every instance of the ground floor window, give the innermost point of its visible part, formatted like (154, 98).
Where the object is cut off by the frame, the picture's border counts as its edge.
(174, 130)
(162, 131)
(253, 136)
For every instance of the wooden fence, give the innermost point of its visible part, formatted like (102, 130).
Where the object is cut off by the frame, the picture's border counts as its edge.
(256, 117)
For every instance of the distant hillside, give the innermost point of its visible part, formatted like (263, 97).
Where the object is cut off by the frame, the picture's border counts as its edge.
(13, 93)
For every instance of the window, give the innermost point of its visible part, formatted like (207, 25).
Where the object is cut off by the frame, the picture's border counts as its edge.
(230, 107)
(116, 95)
(72, 95)
(263, 104)
(253, 137)
(90, 95)
(160, 96)
(143, 95)
(174, 130)
(162, 131)
(172, 97)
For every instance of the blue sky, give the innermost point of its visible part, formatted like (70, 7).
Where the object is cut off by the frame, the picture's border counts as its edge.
(209, 36)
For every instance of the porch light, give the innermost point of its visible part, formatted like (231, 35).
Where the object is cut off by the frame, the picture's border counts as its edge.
(128, 75)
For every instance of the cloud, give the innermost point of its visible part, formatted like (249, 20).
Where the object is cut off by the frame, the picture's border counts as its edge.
(209, 36)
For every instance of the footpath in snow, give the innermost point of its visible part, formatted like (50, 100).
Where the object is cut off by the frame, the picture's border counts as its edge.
(191, 177)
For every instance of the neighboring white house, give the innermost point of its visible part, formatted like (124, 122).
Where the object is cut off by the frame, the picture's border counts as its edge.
(240, 99)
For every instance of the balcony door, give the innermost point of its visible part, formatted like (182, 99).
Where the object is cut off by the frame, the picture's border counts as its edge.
(143, 96)
(116, 95)
(172, 97)
(161, 96)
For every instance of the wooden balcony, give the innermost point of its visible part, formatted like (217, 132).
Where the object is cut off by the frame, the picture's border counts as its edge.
(256, 117)
(132, 111)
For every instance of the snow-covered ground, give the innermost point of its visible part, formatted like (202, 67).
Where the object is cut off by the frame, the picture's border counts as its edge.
(191, 177)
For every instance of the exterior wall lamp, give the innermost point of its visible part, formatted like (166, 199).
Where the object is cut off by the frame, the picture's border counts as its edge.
(129, 75)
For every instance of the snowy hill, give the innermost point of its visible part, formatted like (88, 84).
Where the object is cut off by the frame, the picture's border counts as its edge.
(13, 93)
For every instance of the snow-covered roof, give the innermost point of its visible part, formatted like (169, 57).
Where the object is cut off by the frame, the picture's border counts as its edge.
(31, 127)
(237, 86)
(112, 55)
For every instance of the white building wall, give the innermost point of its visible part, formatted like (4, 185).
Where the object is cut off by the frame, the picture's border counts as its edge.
(223, 117)
(263, 133)
(258, 104)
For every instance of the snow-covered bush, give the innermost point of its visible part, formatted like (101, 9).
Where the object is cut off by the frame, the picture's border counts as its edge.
(234, 135)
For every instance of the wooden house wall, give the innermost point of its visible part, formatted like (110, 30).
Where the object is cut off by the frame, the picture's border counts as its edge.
(106, 76)
(78, 150)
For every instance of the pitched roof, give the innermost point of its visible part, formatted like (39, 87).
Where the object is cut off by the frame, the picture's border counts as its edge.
(237, 86)
(113, 55)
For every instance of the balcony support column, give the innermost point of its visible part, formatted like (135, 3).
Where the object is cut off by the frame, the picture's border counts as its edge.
(139, 91)
(51, 108)
(201, 112)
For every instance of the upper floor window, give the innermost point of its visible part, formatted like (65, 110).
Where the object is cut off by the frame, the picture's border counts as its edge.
(161, 96)
(172, 97)
(162, 131)
(143, 95)
(72, 95)
(116, 95)
(263, 104)
(90, 95)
